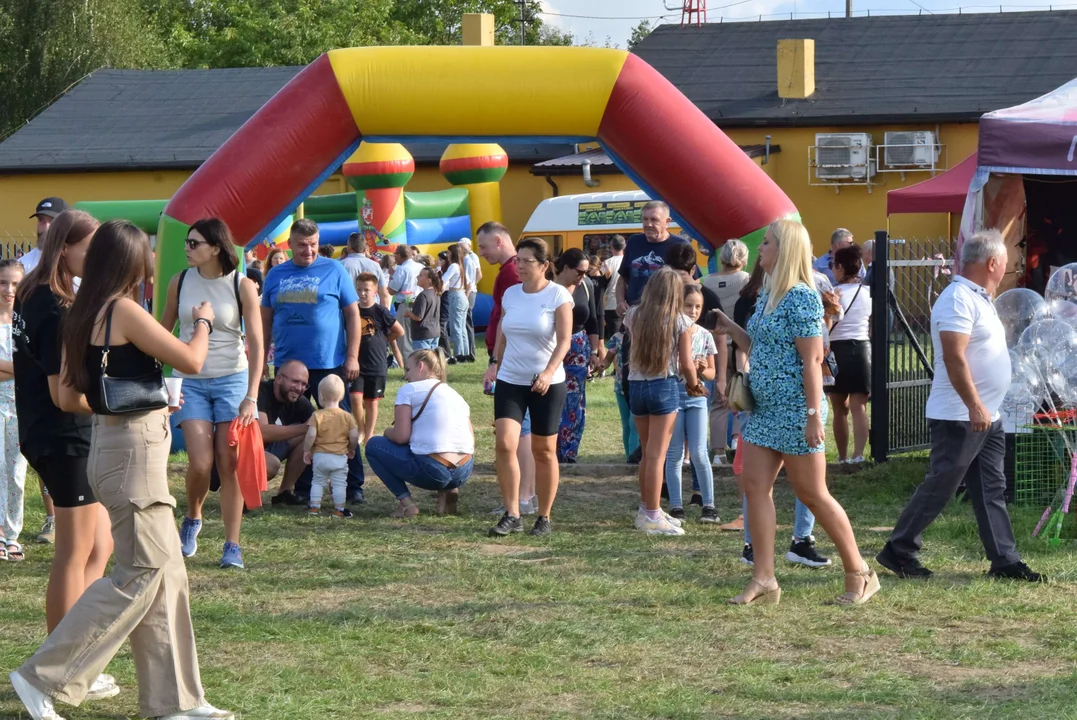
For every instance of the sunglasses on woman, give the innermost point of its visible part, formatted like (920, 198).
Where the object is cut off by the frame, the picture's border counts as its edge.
(192, 243)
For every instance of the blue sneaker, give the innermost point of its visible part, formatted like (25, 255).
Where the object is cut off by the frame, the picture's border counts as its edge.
(232, 557)
(189, 536)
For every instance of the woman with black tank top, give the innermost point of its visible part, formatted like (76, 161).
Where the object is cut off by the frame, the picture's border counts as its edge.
(583, 352)
(145, 598)
(56, 444)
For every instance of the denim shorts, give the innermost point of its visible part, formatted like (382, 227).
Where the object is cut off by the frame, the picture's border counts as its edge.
(654, 397)
(431, 344)
(214, 400)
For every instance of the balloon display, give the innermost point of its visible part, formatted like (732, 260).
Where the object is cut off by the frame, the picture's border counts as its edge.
(1019, 308)
(1063, 284)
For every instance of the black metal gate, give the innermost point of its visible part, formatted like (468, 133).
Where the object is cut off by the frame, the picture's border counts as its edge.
(910, 273)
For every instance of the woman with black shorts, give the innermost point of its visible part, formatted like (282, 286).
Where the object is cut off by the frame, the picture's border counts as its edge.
(56, 444)
(850, 341)
(533, 338)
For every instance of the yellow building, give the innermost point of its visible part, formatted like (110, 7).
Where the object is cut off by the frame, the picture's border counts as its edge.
(793, 85)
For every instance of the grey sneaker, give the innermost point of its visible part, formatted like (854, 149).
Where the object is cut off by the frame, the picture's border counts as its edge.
(47, 536)
(527, 507)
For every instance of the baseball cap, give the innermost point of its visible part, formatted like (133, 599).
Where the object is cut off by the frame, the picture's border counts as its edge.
(50, 206)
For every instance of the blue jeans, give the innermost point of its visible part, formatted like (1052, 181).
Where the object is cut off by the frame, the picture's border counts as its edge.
(629, 435)
(431, 344)
(355, 465)
(458, 322)
(397, 466)
(803, 521)
(691, 421)
(654, 397)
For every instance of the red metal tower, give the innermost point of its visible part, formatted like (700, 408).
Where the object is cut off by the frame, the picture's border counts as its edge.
(696, 8)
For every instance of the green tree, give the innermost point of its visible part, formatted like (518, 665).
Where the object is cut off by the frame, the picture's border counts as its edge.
(639, 33)
(48, 45)
(440, 22)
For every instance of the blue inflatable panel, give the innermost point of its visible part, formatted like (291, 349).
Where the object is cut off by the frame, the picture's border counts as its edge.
(336, 233)
(483, 305)
(439, 230)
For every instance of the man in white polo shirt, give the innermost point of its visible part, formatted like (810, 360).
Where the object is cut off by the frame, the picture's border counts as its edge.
(967, 439)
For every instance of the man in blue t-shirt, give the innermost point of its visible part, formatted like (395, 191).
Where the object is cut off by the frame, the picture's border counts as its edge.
(645, 254)
(310, 312)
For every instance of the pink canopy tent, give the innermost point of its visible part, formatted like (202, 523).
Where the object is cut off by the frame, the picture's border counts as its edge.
(944, 193)
(1025, 183)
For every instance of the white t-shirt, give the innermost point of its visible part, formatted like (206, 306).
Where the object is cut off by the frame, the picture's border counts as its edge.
(30, 260)
(854, 323)
(611, 268)
(965, 307)
(451, 279)
(443, 427)
(527, 322)
(471, 269)
(405, 285)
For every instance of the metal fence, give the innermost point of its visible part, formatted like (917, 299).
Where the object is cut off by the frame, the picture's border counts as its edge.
(910, 273)
(14, 245)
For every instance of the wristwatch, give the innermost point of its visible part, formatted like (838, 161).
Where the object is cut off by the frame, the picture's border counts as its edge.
(812, 411)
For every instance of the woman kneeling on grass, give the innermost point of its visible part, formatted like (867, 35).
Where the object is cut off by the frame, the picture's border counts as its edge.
(431, 441)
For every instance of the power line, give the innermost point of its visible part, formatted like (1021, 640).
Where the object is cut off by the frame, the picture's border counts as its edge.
(639, 17)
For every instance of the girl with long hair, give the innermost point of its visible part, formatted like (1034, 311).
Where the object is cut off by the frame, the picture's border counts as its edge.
(661, 350)
(456, 288)
(533, 337)
(583, 352)
(425, 311)
(227, 385)
(56, 443)
(275, 257)
(785, 346)
(12, 463)
(145, 598)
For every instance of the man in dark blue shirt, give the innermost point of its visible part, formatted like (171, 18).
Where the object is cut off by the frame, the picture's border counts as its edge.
(645, 254)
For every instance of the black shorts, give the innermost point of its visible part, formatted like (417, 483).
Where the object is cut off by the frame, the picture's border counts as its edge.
(369, 386)
(65, 478)
(512, 401)
(854, 367)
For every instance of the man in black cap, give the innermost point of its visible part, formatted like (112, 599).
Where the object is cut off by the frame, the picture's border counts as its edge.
(46, 211)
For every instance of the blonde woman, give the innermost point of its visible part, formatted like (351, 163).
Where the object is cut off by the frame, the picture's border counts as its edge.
(785, 346)
(661, 354)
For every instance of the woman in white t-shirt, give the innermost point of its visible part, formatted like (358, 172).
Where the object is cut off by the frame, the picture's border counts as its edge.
(533, 337)
(456, 288)
(431, 442)
(850, 341)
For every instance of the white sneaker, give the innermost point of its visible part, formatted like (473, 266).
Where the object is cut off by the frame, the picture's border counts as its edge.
(641, 517)
(660, 527)
(37, 703)
(718, 461)
(687, 462)
(103, 687)
(206, 712)
(858, 460)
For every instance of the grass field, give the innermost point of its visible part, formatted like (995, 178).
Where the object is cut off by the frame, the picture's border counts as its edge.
(428, 618)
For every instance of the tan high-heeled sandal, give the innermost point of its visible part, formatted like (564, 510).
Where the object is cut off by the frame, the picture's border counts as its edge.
(766, 596)
(405, 511)
(870, 587)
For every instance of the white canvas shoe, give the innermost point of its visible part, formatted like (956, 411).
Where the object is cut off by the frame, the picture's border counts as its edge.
(206, 712)
(37, 703)
(103, 687)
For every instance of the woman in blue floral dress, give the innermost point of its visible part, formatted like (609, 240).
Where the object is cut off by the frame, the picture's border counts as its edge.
(583, 354)
(785, 346)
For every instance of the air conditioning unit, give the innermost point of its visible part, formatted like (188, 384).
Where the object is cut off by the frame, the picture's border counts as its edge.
(843, 156)
(911, 149)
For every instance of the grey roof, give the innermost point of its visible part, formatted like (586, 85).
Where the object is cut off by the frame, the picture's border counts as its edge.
(159, 119)
(602, 164)
(896, 68)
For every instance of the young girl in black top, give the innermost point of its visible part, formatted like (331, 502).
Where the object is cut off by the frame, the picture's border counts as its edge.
(425, 311)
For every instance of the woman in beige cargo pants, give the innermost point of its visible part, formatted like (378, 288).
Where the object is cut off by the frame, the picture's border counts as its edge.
(145, 598)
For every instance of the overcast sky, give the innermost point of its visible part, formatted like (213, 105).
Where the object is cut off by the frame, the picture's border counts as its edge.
(616, 18)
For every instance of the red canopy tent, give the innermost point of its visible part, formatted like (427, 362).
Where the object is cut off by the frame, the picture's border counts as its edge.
(944, 193)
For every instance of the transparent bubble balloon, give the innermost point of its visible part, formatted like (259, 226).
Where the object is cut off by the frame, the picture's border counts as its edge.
(1063, 284)
(1059, 309)
(1051, 335)
(1017, 309)
(1027, 385)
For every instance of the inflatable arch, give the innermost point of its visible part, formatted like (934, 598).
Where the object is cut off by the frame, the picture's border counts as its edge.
(473, 94)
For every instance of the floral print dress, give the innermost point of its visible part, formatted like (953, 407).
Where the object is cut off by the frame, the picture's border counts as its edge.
(780, 415)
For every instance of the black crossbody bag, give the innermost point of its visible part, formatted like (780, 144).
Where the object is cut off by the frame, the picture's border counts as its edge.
(121, 396)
